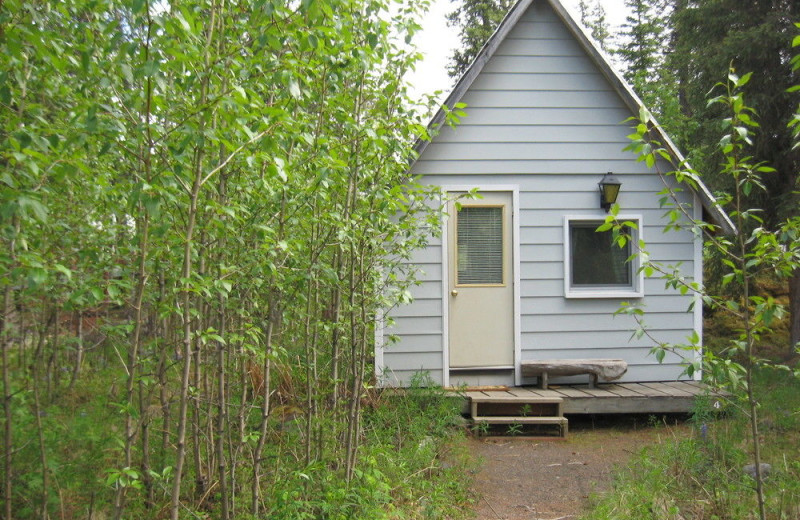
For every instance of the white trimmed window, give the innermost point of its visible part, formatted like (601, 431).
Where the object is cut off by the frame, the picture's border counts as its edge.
(597, 267)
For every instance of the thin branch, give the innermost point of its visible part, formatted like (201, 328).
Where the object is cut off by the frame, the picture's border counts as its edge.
(234, 153)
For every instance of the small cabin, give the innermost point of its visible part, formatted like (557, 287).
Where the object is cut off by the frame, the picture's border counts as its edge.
(521, 274)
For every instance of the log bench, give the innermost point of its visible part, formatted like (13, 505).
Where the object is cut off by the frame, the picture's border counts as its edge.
(607, 369)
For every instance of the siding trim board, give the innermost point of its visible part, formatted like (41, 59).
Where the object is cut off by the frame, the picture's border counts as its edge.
(697, 276)
(379, 343)
(514, 190)
(636, 289)
(445, 301)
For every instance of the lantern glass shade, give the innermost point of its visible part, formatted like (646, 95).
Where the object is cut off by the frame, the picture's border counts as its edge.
(609, 190)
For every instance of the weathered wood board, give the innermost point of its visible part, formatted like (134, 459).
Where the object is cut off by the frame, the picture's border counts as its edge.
(664, 397)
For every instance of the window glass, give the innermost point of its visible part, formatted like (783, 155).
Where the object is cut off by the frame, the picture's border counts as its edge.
(596, 260)
(480, 245)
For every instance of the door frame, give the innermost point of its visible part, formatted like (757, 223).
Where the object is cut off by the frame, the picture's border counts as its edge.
(515, 248)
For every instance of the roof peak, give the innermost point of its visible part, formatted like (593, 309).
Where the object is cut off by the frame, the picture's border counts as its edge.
(603, 63)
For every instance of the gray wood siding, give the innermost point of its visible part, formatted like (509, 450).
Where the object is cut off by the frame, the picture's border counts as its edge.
(542, 117)
(414, 333)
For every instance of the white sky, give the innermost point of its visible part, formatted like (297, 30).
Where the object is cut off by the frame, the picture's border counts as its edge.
(436, 41)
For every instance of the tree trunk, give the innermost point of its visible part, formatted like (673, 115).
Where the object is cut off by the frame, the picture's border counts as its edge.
(265, 410)
(222, 403)
(133, 362)
(147, 479)
(163, 360)
(76, 370)
(8, 443)
(38, 359)
(794, 305)
(186, 300)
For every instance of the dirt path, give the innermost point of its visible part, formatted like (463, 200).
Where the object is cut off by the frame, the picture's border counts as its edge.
(527, 479)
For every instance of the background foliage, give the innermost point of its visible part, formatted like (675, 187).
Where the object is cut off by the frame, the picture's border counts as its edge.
(198, 227)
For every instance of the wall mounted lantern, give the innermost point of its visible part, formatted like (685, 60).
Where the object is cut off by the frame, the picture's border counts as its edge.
(609, 189)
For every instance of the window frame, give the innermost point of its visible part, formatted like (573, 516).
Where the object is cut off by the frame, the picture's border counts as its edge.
(634, 290)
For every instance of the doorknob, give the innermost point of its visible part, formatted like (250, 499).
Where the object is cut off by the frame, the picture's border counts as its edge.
(454, 292)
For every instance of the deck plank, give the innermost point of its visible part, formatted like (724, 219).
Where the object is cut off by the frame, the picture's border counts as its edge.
(621, 390)
(687, 386)
(574, 393)
(645, 390)
(520, 392)
(474, 395)
(534, 392)
(607, 398)
(513, 396)
(598, 392)
(559, 393)
(669, 390)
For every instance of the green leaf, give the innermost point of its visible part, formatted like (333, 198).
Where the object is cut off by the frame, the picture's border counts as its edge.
(150, 68)
(37, 276)
(294, 89)
(97, 294)
(744, 80)
(279, 168)
(127, 72)
(91, 119)
(63, 270)
(32, 206)
(179, 15)
(85, 61)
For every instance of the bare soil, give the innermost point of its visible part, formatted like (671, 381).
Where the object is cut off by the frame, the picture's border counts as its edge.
(550, 479)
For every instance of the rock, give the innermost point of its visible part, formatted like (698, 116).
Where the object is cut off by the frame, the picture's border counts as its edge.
(750, 469)
(445, 465)
(458, 421)
(425, 442)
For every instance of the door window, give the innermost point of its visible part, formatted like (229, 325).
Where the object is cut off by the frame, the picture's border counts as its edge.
(479, 246)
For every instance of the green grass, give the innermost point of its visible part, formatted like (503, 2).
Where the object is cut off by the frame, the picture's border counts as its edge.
(417, 438)
(699, 476)
(412, 461)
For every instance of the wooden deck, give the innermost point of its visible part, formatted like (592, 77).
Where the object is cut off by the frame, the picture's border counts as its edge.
(669, 397)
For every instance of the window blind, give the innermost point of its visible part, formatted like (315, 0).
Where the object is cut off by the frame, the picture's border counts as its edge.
(480, 245)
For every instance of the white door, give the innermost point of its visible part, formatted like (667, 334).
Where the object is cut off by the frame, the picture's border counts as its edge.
(481, 292)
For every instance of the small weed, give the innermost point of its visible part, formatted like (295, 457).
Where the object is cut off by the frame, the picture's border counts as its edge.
(514, 429)
(481, 429)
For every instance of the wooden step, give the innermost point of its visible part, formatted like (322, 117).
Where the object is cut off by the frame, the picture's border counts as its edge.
(505, 397)
(561, 422)
(505, 408)
(520, 420)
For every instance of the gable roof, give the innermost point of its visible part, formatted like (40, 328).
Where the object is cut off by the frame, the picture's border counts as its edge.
(618, 83)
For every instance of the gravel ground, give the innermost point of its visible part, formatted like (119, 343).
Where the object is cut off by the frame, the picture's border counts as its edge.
(549, 479)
